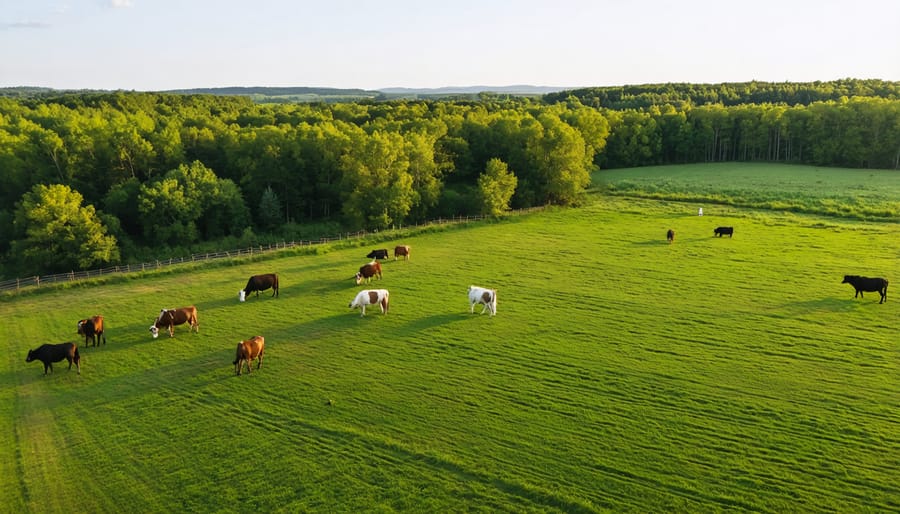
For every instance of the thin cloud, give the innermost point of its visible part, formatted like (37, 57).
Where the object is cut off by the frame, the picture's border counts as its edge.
(121, 4)
(24, 25)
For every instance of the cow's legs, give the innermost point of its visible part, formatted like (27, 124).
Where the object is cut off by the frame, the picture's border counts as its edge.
(259, 362)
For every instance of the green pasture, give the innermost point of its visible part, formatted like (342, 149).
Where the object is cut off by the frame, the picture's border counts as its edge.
(863, 194)
(621, 374)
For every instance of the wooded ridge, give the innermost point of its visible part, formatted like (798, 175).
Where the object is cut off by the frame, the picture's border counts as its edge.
(99, 178)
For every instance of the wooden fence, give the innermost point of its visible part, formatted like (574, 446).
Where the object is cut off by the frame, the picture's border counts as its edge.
(18, 284)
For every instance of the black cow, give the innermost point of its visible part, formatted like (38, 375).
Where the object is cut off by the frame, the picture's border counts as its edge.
(50, 353)
(260, 283)
(670, 235)
(721, 231)
(378, 254)
(867, 284)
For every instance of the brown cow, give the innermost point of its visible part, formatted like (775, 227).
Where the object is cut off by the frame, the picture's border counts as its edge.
(401, 250)
(92, 328)
(247, 351)
(168, 318)
(367, 271)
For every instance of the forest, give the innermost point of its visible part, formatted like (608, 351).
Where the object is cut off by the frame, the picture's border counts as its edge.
(98, 178)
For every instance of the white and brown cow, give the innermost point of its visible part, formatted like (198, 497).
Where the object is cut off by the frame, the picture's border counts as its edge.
(248, 350)
(168, 318)
(365, 297)
(487, 297)
(401, 251)
(367, 271)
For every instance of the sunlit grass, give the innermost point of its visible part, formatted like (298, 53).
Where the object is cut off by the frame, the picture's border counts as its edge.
(621, 373)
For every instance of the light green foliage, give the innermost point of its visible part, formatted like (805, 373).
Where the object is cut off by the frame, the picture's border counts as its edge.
(191, 201)
(377, 185)
(55, 232)
(496, 187)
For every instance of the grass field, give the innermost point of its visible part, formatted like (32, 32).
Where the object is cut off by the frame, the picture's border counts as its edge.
(871, 195)
(620, 374)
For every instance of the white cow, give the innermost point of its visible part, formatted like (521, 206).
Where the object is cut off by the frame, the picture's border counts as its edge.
(371, 297)
(487, 297)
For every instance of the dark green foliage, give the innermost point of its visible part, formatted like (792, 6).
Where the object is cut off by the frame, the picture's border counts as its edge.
(269, 210)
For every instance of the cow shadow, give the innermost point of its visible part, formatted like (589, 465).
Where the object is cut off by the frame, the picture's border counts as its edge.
(831, 304)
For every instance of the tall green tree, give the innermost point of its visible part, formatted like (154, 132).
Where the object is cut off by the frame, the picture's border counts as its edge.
(377, 186)
(56, 233)
(496, 187)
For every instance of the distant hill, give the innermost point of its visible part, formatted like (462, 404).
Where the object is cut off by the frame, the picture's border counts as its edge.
(317, 94)
(470, 90)
(273, 91)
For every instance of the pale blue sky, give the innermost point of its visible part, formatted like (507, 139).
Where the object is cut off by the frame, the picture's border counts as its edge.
(151, 45)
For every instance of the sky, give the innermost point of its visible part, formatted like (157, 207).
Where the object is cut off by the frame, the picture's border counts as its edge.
(158, 45)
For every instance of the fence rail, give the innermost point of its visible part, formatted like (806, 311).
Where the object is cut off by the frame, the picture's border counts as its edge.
(18, 284)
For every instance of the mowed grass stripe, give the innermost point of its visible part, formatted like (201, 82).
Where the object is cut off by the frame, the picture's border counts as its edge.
(621, 373)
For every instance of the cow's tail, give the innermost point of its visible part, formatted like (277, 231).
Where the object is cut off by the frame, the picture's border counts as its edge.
(275, 285)
(237, 353)
(385, 302)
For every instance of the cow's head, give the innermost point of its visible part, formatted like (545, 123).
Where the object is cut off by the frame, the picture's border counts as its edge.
(154, 331)
(358, 277)
(242, 295)
(81, 326)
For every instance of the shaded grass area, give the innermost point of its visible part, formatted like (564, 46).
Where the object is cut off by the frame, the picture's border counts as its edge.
(621, 373)
(870, 195)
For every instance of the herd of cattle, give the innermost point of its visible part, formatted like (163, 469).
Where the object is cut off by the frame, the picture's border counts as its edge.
(253, 348)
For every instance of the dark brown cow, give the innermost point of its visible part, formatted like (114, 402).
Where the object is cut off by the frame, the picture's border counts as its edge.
(247, 351)
(168, 318)
(92, 328)
(670, 235)
(367, 271)
(50, 353)
(401, 250)
(260, 283)
(861, 284)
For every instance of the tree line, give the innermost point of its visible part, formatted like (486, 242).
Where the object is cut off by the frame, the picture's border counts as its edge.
(92, 179)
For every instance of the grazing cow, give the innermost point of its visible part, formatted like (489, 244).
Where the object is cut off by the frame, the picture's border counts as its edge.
(670, 235)
(721, 231)
(867, 284)
(367, 271)
(401, 250)
(168, 318)
(50, 353)
(487, 297)
(260, 283)
(92, 328)
(365, 297)
(378, 254)
(247, 351)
